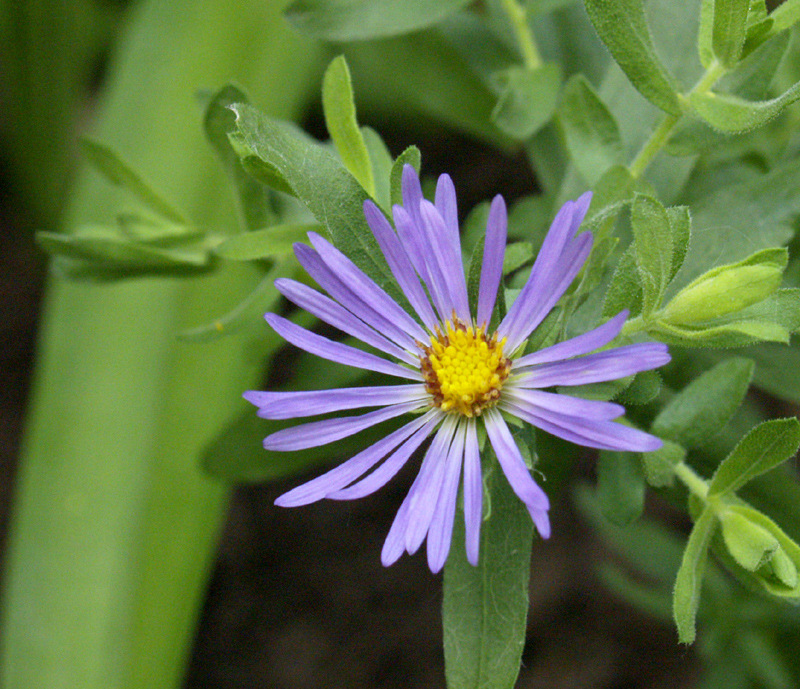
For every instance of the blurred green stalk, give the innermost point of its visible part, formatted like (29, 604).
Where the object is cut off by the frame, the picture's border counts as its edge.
(114, 527)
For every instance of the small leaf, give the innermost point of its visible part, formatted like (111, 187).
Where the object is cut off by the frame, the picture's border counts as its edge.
(157, 232)
(645, 388)
(690, 576)
(763, 448)
(704, 406)
(622, 26)
(120, 173)
(358, 20)
(785, 15)
(653, 249)
(272, 242)
(749, 544)
(381, 161)
(729, 30)
(527, 99)
(733, 334)
(620, 486)
(340, 118)
(516, 256)
(625, 290)
(705, 33)
(659, 465)
(733, 114)
(680, 225)
(411, 156)
(592, 133)
(486, 607)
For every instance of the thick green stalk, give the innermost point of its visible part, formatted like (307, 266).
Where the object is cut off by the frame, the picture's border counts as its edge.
(115, 527)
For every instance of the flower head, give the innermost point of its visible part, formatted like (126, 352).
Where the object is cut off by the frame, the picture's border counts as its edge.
(460, 374)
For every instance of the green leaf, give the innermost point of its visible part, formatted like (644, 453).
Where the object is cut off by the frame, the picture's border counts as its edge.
(765, 447)
(381, 161)
(120, 173)
(625, 290)
(272, 242)
(680, 225)
(329, 191)
(358, 20)
(703, 407)
(516, 256)
(622, 26)
(139, 228)
(620, 486)
(340, 118)
(785, 15)
(411, 156)
(729, 30)
(653, 249)
(486, 607)
(645, 388)
(659, 465)
(749, 544)
(591, 131)
(690, 576)
(254, 202)
(527, 99)
(733, 114)
(733, 334)
(705, 33)
(751, 78)
(727, 290)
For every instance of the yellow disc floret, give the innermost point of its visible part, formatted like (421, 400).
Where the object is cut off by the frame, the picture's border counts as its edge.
(463, 370)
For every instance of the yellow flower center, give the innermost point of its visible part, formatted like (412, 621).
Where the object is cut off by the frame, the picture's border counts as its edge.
(463, 370)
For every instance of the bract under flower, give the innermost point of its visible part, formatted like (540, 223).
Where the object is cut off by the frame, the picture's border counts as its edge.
(460, 374)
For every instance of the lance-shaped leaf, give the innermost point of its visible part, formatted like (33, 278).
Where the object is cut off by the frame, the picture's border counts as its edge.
(592, 133)
(411, 156)
(620, 486)
(486, 607)
(765, 447)
(729, 30)
(735, 115)
(123, 175)
(319, 180)
(653, 249)
(357, 20)
(622, 26)
(340, 118)
(688, 583)
(704, 406)
(271, 242)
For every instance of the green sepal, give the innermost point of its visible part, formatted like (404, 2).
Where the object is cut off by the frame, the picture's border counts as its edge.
(339, 108)
(708, 403)
(527, 99)
(118, 172)
(686, 597)
(766, 446)
(748, 543)
(727, 289)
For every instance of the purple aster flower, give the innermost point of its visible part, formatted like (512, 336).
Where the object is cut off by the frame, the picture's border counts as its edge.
(459, 374)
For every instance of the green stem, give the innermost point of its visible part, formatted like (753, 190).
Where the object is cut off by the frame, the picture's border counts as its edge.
(692, 480)
(659, 138)
(519, 21)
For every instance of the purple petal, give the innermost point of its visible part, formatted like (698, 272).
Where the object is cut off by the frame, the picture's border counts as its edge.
(542, 291)
(493, 253)
(386, 471)
(448, 208)
(412, 193)
(516, 472)
(563, 404)
(444, 263)
(349, 471)
(610, 364)
(576, 346)
(399, 263)
(440, 533)
(344, 294)
(336, 351)
(361, 284)
(395, 543)
(603, 435)
(323, 432)
(416, 245)
(289, 405)
(473, 493)
(426, 492)
(332, 313)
